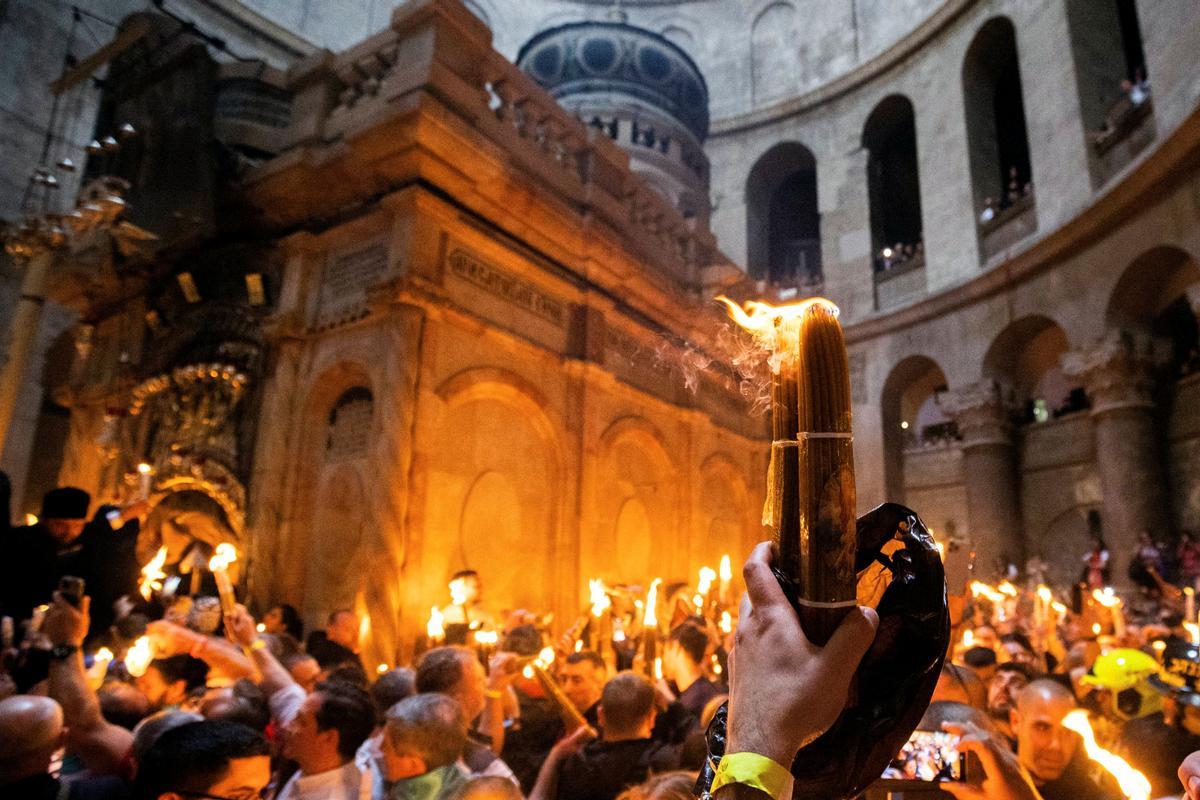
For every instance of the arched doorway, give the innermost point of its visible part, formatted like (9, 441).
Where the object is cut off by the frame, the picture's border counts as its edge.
(893, 182)
(911, 416)
(783, 233)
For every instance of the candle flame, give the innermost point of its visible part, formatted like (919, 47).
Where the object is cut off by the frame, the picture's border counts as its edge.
(31, 519)
(486, 637)
(716, 664)
(726, 624)
(1007, 588)
(725, 569)
(707, 576)
(1159, 646)
(459, 593)
(579, 646)
(527, 673)
(103, 655)
(766, 323)
(1096, 628)
(1133, 783)
(435, 628)
(144, 468)
(598, 597)
(981, 589)
(223, 556)
(1106, 597)
(261, 628)
(153, 575)
(382, 668)
(1193, 630)
(1059, 608)
(658, 669)
(650, 620)
(968, 638)
(364, 626)
(1043, 591)
(545, 658)
(138, 657)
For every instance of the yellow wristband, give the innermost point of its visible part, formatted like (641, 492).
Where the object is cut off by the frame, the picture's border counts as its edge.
(753, 770)
(492, 694)
(258, 644)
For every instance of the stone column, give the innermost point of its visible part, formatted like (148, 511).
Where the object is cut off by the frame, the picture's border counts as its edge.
(990, 473)
(1117, 374)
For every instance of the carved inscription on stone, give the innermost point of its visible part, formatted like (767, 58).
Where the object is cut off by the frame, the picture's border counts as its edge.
(345, 282)
(507, 286)
(349, 425)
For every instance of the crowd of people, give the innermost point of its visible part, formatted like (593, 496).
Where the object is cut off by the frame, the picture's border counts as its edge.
(899, 255)
(1015, 193)
(175, 697)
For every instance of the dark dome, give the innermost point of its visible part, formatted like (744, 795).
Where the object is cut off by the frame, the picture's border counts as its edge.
(582, 58)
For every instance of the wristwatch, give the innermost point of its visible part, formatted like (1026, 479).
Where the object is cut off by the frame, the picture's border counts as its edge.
(61, 652)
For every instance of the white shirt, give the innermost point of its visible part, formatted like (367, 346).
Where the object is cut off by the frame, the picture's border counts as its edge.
(347, 782)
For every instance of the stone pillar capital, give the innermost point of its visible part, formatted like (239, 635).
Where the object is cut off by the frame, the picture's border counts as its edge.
(1117, 372)
(980, 412)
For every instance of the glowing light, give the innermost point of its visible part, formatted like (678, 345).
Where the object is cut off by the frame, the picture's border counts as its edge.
(1159, 646)
(1133, 783)
(144, 468)
(546, 657)
(459, 592)
(716, 664)
(1106, 597)
(153, 575)
(1007, 588)
(725, 569)
(650, 620)
(579, 646)
(223, 556)
(904, 425)
(726, 623)
(707, 576)
(435, 628)
(1193, 630)
(698, 601)
(138, 657)
(968, 638)
(31, 519)
(103, 655)
(1096, 628)
(364, 626)
(888, 252)
(764, 321)
(261, 628)
(1043, 592)
(382, 668)
(981, 589)
(486, 637)
(619, 635)
(599, 598)
(658, 669)
(1059, 608)
(527, 673)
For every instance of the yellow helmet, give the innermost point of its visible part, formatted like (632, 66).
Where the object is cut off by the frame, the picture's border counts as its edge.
(1125, 672)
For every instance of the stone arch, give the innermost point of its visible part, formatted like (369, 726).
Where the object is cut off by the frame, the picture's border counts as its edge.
(336, 538)
(680, 36)
(783, 218)
(908, 403)
(893, 183)
(312, 477)
(1159, 294)
(493, 475)
(724, 511)
(997, 139)
(772, 38)
(1025, 360)
(636, 502)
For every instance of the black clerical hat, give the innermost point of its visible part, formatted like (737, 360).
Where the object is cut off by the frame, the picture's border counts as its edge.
(65, 502)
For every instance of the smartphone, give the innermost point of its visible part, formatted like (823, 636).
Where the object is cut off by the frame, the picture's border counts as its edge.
(71, 589)
(928, 757)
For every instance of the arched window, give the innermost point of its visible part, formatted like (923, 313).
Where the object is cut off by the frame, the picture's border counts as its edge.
(350, 424)
(912, 417)
(1114, 86)
(998, 143)
(783, 233)
(1024, 360)
(893, 183)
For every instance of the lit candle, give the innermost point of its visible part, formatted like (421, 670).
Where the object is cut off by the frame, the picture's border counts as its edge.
(811, 492)
(153, 575)
(145, 477)
(725, 570)
(650, 627)
(138, 657)
(704, 589)
(1108, 598)
(1189, 603)
(225, 555)
(435, 629)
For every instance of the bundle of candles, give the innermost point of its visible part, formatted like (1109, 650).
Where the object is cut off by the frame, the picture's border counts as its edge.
(810, 483)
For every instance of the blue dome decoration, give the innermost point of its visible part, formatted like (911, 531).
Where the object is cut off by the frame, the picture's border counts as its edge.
(581, 58)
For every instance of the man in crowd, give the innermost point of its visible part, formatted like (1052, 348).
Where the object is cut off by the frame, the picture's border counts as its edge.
(1046, 749)
(31, 731)
(339, 644)
(1002, 692)
(467, 612)
(209, 759)
(582, 676)
(456, 672)
(423, 740)
(323, 738)
(168, 681)
(626, 754)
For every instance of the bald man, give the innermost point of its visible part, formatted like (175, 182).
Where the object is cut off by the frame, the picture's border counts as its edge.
(1047, 750)
(31, 730)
